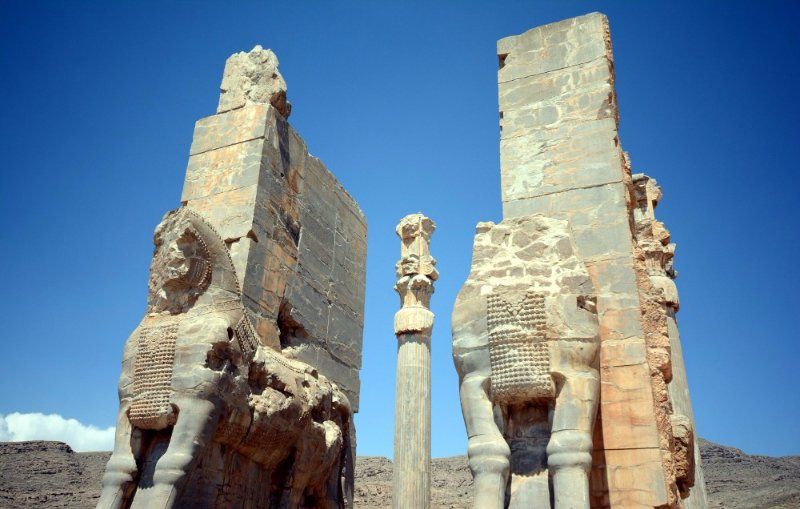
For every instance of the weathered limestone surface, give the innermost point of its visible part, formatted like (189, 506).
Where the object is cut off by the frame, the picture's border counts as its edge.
(525, 345)
(561, 158)
(253, 77)
(659, 252)
(238, 387)
(413, 325)
(297, 238)
(562, 111)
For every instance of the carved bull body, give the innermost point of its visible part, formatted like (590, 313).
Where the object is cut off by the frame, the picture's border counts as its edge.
(525, 345)
(208, 417)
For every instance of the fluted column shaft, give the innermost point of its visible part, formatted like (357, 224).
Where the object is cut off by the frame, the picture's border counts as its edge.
(412, 428)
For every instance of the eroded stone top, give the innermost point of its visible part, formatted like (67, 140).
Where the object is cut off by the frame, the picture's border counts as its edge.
(252, 78)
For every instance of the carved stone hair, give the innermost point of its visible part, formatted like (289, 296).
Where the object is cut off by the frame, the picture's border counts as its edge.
(187, 253)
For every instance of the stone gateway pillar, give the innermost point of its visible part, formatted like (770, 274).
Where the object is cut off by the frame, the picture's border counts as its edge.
(564, 334)
(413, 323)
(238, 386)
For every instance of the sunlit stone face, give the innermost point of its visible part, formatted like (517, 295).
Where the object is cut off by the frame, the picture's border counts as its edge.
(180, 269)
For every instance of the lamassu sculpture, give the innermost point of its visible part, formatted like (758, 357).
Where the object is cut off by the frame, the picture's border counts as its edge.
(208, 417)
(525, 345)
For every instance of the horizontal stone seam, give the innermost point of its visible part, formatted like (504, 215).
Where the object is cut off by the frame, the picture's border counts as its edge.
(352, 205)
(192, 154)
(338, 302)
(597, 259)
(240, 107)
(322, 344)
(654, 448)
(602, 87)
(202, 197)
(339, 360)
(536, 130)
(340, 385)
(640, 363)
(553, 70)
(564, 191)
(581, 90)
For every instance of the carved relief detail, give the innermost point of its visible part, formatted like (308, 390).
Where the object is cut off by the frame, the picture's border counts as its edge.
(518, 350)
(653, 254)
(152, 374)
(416, 272)
(683, 450)
(181, 268)
(246, 337)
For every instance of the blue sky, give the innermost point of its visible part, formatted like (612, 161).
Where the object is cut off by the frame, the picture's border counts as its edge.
(400, 102)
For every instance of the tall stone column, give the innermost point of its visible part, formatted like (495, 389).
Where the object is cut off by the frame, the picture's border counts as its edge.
(413, 323)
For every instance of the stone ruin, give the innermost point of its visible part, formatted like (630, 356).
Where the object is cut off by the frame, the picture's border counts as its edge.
(572, 381)
(239, 384)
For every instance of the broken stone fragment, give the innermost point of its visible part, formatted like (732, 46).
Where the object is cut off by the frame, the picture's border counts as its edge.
(253, 78)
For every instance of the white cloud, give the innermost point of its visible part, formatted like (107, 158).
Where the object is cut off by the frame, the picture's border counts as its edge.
(17, 427)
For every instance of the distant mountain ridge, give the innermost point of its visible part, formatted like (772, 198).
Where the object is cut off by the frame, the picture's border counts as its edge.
(47, 475)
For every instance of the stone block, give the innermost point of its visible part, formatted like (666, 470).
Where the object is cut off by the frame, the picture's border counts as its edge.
(567, 89)
(344, 338)
(619, 323)
(593, 205)
(573, 156)
(230, 128)
(224, 169)
(623, 352)
(346, 376)
(565, 97)
(582, 207)
(626, 404)
(349, 293)
(635, 478)
(231, 212)
(309, 307)
(613, 277)
(555, 46)
(240, 253)
(603, 241)
(316, 240)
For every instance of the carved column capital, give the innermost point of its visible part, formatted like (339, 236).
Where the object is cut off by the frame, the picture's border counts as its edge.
(416, 272)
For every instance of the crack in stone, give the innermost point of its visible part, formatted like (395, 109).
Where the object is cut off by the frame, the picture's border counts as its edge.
(553, 70)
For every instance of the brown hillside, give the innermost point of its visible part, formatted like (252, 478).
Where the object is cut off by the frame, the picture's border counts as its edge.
(50, 475)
